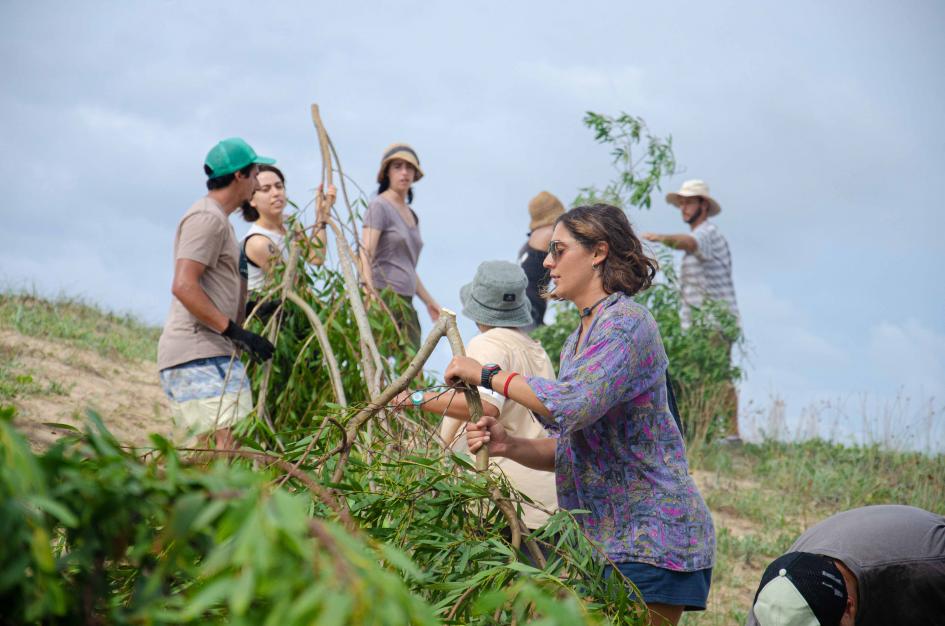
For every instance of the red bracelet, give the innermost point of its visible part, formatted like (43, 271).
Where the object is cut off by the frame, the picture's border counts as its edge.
(505, 388)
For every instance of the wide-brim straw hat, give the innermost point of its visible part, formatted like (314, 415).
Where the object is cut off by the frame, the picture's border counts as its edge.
(399, 151)
(496, 295)
(544, 209)
(692, 189)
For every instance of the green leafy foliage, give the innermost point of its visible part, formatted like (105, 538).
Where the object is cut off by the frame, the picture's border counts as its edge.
(639, 168)
(699, 356)
(95, 533)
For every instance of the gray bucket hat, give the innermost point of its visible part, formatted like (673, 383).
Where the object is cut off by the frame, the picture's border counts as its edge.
(496, 296)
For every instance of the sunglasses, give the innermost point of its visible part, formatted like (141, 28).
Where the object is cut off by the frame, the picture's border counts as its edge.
(555, 249)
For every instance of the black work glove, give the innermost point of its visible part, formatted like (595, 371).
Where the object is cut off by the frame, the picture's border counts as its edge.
(265, 310)
(258, 348)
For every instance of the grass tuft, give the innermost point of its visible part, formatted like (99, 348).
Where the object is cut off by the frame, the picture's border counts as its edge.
(80, 324)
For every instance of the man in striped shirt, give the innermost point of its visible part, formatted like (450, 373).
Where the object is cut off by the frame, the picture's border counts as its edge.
(707, 264)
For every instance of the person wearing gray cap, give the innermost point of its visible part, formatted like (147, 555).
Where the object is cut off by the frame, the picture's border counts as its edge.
(496, 300)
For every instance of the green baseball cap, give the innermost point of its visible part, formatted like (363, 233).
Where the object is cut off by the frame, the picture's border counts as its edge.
(232, 155)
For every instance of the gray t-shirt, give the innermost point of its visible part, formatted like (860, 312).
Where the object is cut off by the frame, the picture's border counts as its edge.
(394, 263)
(898, 556)
(707, 273)
(204, 235)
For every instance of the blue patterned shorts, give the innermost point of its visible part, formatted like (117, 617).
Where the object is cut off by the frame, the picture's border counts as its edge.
(207, 395)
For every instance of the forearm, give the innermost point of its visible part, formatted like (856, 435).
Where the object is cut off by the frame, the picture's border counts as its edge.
(519, 391)
(319, 249)
(538, 454)
(686, 243)
(423, 294)
(453, 404)
(241, 310)
(196, 301)
(366, 276)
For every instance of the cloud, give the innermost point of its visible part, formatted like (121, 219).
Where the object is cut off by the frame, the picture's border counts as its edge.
(909, 354)
(598, 83)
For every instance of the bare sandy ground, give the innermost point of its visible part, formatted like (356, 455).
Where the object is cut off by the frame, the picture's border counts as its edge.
(126, 394)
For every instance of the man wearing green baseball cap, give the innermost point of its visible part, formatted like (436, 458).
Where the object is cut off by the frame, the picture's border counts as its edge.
(200, 373)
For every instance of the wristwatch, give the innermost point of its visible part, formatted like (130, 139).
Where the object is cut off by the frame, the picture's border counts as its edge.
(488, 371)
(417, 398)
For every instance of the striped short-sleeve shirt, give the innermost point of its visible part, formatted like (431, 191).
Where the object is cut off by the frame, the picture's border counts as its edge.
(707, 273)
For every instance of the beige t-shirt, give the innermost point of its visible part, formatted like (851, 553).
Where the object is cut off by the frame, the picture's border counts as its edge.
(204, 235)
(513, 351)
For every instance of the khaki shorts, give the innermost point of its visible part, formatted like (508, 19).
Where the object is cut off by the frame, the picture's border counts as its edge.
(206, 395)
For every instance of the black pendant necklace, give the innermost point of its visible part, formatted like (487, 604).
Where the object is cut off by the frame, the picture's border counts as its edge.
(586, 311)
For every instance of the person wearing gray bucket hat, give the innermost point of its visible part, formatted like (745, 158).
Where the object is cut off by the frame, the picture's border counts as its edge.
(706, 273)
(496, 296)
(496, 301)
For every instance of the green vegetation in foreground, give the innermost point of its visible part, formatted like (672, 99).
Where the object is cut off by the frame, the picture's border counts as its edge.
(777, 490)
(240, 543)
(80, 324)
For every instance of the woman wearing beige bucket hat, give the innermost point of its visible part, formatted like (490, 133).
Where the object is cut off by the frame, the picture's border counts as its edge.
(543, 210)
(391, 242)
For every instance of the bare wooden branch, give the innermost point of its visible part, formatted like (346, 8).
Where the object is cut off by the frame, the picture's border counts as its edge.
(371, 363)
(327, 353)
(288, 280)
(383, 399)
(471, 391)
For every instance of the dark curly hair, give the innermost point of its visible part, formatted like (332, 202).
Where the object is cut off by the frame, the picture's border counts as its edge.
(250, 214)
(627, 268)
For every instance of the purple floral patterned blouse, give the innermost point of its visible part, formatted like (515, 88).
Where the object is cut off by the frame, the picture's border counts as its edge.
(619, 454)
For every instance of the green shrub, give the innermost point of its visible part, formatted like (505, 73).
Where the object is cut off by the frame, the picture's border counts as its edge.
(699, 357)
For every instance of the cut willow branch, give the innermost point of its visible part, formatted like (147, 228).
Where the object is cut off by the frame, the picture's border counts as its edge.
(383, 399)
(517, 527)
(371, 362)
(327, 353)
(324, 495)
(288, 280)
(473, 401)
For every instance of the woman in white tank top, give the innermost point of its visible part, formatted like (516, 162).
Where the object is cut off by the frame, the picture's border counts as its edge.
(265, 241)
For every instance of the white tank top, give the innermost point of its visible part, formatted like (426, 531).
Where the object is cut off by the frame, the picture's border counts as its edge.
(255, 276)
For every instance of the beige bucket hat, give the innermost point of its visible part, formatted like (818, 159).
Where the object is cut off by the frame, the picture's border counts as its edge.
(692, 189)
(403, 152)
(544, 209)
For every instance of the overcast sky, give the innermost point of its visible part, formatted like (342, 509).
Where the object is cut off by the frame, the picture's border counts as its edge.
(819, 127)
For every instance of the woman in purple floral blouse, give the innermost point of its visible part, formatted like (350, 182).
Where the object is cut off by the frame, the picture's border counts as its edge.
(618, 453)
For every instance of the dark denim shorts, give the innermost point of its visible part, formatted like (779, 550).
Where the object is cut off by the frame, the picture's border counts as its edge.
(664, 586)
